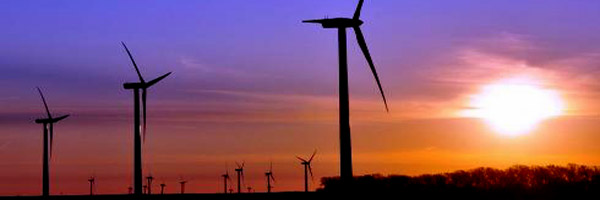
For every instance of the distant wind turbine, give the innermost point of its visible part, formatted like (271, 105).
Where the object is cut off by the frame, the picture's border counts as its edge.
(92, 181)
(240, 176)
(162, 188)
(344, 116)
(182, 186)
(149, 179)
(226, 179)
(270, 178)
(136, 87)
(307, 169)
(48, 123)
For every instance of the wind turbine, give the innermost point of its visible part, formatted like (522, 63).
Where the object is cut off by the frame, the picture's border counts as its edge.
(92, 181)
(307, 169)
(344, 116)
(226, 179)
(240, 176)
(162, 188)
(270, 178)
(137, 143)
(182, 184)
(149, 179)
(48, 123)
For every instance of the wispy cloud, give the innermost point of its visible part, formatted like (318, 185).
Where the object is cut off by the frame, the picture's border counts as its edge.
(193, 65)
(507, 56)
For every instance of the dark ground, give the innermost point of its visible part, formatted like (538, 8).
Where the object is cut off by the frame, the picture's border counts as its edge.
(517, 182)
(332, 196)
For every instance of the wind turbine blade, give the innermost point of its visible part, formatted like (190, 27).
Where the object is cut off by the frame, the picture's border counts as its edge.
(301, 159)
(51, 138)
(60, 118)
(243, 164)
(242, 177)
(156, 80)
(363, 46)
(134, 64)
(45, 105)
(313, 156)
(144, 114)
(316, 21)
(358, 9)
(311, 173)
(272, 177)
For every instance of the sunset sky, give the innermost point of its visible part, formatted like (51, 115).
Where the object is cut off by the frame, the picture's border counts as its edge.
(252, 83)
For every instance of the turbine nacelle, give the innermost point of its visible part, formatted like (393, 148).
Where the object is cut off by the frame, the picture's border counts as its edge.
(143, 85)
(341, 22)
(50, 120)
(354, 23)
(336, 22)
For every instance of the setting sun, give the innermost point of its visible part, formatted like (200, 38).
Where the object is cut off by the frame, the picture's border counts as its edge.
(515, 108)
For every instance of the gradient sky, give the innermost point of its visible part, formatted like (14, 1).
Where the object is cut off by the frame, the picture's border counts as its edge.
(251, 82)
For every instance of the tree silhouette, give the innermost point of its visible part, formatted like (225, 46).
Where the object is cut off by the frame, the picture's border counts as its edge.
(550, 181)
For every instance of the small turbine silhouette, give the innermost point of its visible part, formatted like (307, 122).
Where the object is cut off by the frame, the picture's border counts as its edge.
(149, 179)
(48, 124)
(92, 181)
(226, 179)
(162, 188)
(307, 169)
(269, 175)
(240, 176)
(182, 183)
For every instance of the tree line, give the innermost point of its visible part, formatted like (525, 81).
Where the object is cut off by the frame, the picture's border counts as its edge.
(518, 180)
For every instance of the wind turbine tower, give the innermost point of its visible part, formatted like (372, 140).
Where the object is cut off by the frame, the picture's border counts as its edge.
(137, 138)
(226, 179)
(162, 188)
(269, 175)
(307, 169)
(92, 181)
(182, 186)
(149, 179)
(48, 126)
(240, 176)
(341, 24)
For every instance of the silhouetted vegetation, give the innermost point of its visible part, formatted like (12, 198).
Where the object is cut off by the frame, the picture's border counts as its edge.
(515, 182)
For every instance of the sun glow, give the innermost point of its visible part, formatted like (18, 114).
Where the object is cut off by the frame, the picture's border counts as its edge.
(515, 107)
